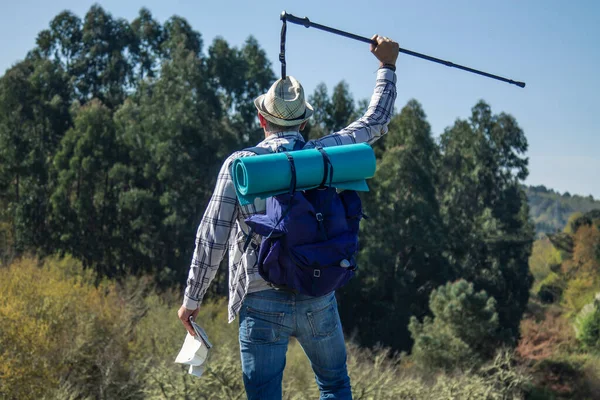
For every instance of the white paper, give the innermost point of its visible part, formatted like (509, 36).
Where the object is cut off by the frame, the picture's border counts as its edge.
(193, 353)
(196, 370)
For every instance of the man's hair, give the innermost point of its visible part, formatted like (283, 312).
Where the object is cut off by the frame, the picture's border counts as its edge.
(274, 128)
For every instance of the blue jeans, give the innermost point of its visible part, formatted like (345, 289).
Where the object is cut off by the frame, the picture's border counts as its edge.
(268, 319)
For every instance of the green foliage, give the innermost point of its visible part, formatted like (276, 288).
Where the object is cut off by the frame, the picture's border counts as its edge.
(463, 331)
(147, 39)
(544, 258)
(34, 102)
(331, 113)
(578, 292)
(402, 241)
(6, 243)
(102, 66)
(242, 74)
(112, 133)
(486, 211)
(84, 198)
(587, 326)
(174, 148)
(342, 107)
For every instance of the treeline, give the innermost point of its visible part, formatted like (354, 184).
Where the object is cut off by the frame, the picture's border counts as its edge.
(551, 210)
(111, 134)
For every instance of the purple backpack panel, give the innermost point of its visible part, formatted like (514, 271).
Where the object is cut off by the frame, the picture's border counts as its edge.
(309, 239)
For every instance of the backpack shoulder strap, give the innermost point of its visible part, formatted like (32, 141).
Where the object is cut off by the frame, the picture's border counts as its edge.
(259, 151)
(299, 145)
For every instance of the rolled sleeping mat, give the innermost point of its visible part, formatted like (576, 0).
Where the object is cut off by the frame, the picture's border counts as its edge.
(270, 174)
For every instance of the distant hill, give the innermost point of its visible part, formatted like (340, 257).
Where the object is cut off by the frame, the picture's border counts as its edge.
(550, 210)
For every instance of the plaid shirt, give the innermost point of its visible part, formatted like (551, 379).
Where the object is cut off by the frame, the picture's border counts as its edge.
(223, 227)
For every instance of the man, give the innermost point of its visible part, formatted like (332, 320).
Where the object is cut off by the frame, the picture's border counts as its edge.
(268, 317)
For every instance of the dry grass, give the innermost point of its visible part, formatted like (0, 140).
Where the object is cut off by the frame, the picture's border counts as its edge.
(122, 341)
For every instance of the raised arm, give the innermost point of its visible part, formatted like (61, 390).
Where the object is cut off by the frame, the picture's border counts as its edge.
(373, 124)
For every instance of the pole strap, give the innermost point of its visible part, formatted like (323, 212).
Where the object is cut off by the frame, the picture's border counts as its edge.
(282, 48)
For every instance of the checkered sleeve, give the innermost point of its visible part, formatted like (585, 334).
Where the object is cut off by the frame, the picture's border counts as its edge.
(212, 237)
(373, 124)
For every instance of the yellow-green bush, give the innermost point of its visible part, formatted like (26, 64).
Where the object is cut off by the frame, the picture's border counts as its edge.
(543, 256)
(59, 329)
(579, 292)
(587, 325)
(64, 336)
(375, 374)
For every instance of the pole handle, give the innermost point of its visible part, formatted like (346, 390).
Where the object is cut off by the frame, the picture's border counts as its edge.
(295, 20)
(307, 24)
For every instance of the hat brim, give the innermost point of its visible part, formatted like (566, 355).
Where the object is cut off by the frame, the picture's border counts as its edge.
(259, 104)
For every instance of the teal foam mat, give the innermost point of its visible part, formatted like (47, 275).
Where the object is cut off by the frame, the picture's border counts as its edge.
(269, 175)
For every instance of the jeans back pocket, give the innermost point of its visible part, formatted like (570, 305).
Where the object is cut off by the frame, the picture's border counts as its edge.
(324, 322)
(260, 326)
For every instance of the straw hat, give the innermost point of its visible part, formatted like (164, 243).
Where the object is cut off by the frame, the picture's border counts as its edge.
(284, 103)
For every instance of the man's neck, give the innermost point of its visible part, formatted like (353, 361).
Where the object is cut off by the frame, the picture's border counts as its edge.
(267, 134)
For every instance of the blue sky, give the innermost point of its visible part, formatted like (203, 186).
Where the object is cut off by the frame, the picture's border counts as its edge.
(551, 45)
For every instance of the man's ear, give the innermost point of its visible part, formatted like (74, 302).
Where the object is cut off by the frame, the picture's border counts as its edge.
(263, 121)
(303, 126)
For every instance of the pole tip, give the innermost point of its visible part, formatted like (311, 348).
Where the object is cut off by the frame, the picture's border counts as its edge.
(283, 15)
(520, 84)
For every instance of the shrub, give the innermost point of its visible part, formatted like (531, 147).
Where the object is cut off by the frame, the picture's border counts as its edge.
(159, 336)
(587, 325)
(591, 371)
(462, 332)
(543, 257)
(60, 332)
(544, 338)
(579, 292)
(65, 336)
(375, 374)
(551, 288)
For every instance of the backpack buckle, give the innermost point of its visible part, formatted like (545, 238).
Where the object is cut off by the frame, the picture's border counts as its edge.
(317, 273)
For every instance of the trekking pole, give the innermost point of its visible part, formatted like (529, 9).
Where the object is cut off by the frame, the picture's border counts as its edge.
(307, 23)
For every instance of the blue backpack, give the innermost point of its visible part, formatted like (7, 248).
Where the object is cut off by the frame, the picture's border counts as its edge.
(309, 238)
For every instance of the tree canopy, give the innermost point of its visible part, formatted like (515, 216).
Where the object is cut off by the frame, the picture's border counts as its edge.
(112, 133)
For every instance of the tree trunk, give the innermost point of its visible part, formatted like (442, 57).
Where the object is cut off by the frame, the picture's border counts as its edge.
(17, 189)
